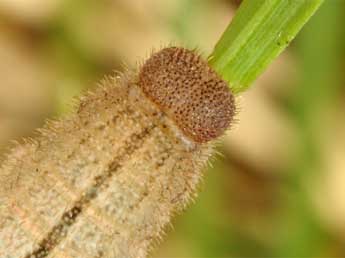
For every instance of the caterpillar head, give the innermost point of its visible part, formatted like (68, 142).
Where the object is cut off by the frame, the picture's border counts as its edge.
(189, 91)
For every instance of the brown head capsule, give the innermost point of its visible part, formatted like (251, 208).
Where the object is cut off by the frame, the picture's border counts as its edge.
(185, 87)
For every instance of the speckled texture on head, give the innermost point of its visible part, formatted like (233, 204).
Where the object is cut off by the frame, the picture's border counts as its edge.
(183, 85)
(105, 181)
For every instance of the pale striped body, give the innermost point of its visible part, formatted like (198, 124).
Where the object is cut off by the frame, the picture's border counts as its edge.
(153, 173)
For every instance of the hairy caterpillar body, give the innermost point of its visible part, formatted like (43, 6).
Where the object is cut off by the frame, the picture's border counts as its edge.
(105, 181)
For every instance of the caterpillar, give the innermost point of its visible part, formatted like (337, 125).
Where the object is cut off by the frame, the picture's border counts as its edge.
(106, 180)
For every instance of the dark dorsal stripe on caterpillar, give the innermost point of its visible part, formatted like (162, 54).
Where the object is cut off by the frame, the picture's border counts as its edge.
(105, 181)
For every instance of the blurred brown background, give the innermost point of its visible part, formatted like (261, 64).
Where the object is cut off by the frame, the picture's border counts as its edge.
(277, 190)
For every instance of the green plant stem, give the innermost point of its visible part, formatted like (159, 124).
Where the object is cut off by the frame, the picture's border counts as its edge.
(259, 32)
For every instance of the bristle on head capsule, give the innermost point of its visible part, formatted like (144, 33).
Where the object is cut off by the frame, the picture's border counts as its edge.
(189, 91)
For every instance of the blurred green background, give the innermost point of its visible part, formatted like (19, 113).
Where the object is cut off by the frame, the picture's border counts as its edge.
(278, 187)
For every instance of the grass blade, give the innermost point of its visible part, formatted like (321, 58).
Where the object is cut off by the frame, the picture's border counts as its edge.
(259, 32)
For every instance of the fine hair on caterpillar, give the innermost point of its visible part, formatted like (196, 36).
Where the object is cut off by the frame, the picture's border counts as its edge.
(105, 181)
